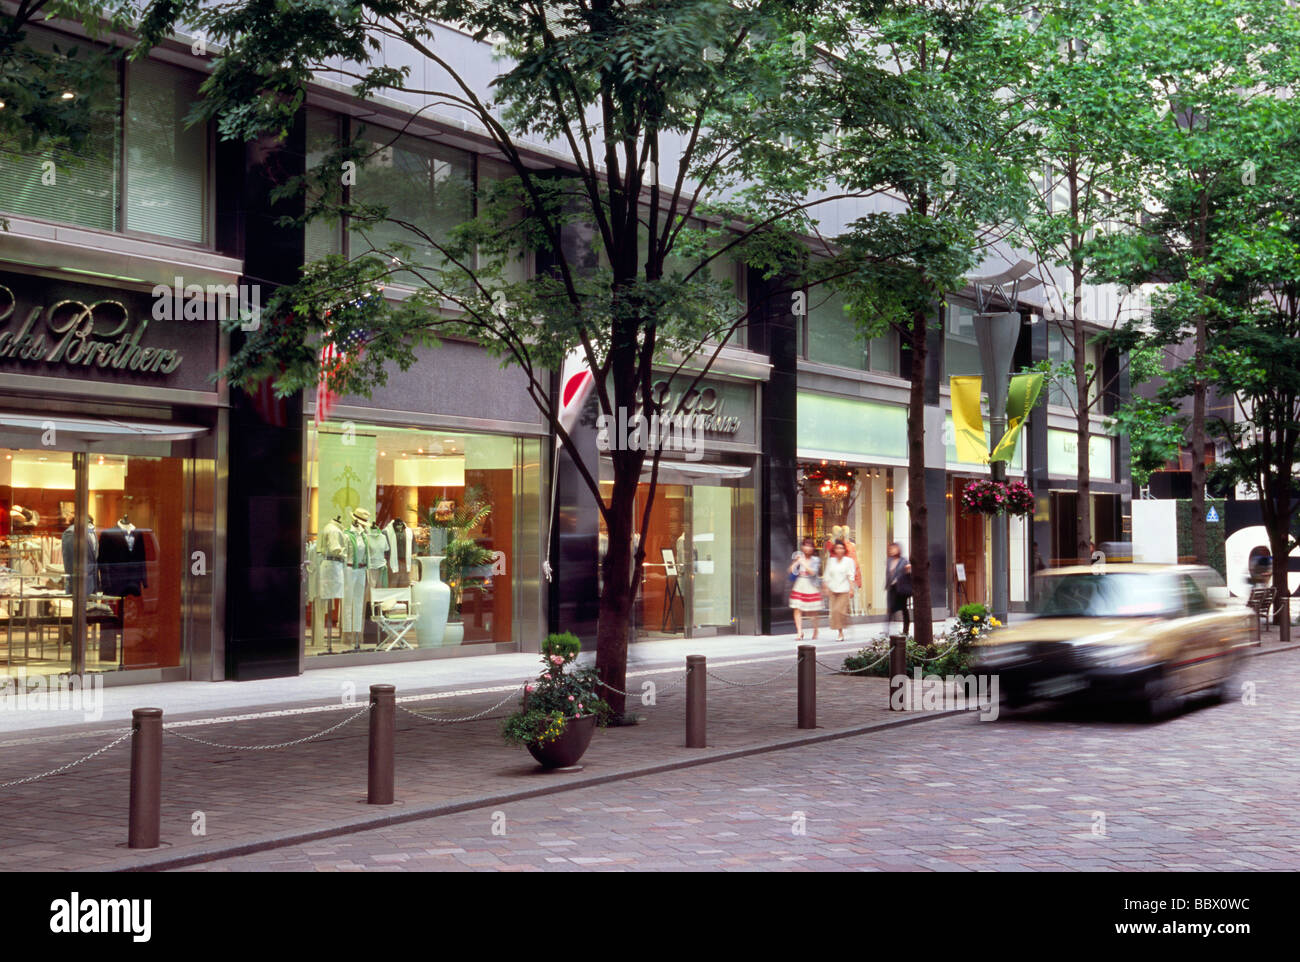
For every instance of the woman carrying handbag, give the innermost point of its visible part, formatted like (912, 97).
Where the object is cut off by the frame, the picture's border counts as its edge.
(806, 592)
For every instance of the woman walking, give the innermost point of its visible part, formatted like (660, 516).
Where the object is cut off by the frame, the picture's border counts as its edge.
(805, 593)
(840, 577)
(898, 585)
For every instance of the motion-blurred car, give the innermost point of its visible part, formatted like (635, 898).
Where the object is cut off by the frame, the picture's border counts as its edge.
(1148, 633)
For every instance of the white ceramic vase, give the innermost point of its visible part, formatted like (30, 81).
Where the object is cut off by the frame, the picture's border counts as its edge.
(455, 634)
(434, 600)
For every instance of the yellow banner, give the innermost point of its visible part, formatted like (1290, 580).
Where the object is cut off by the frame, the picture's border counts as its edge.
(967, 421)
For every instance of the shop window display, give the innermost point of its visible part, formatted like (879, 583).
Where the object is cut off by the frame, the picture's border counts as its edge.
(414, 525)
(131, 574)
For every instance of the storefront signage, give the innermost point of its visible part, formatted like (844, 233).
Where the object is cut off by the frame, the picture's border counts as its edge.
(1063, 455)
(76, 334)
(704, 406)
(61, 329)
(850, 429)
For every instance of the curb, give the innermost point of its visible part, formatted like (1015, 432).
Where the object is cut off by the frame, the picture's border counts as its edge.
(366, 823)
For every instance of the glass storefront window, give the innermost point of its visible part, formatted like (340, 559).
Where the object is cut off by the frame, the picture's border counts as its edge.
(413, 537)
(132, 574)
(698, 552)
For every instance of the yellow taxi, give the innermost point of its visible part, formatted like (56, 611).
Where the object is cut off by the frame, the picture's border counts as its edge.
(1149, 633)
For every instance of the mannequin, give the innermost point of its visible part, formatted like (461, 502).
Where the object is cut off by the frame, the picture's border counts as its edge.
(121, 559)
(331, 550)
(377, 557)
(401, 549)
(354, 590)
(92, 554)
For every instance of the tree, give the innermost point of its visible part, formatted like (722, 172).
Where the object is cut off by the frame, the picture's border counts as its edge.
(677, 120)
(927, 119)
(1083, 79)
(1195, 139)
(1253, 350)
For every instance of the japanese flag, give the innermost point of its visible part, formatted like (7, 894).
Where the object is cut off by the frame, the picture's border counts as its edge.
(576, 381)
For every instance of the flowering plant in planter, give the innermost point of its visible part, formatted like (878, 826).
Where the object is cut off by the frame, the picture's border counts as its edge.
(997, 497)
(1019, 499)
(561, 693)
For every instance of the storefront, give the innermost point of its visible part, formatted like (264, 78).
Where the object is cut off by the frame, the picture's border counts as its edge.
(109, 430)
(422, 533)
(1063, 495)
(852, 465)
(699, 577)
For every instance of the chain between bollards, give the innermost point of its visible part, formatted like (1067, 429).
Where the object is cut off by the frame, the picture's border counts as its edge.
(696, 701)
(144, 826)
(383, 727)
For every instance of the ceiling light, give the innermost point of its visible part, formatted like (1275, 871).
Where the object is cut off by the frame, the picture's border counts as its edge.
(68, 95)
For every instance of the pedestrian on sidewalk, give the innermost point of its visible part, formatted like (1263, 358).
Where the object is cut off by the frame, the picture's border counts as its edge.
(806, 593)
(898, 585)
(841, 575)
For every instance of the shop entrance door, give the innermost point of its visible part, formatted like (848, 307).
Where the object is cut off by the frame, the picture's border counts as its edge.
(969, 542)
(92, 552)
(691, 582)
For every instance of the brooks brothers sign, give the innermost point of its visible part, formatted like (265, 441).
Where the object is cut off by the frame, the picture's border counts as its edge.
(73, 330)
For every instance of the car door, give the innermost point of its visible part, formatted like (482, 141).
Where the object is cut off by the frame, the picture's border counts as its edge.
(1198, 662)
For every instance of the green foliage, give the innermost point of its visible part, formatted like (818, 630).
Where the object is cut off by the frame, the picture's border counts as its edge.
(1154, 429)
(565, 644)
(562, 691)
(461, 551)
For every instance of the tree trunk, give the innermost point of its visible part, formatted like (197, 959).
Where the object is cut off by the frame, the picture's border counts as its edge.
(1199, 545)
(617, 592)
(1083, 438)
(919, 550)
(1276, 505)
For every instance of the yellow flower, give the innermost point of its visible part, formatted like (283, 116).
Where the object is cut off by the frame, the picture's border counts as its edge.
(977, 617)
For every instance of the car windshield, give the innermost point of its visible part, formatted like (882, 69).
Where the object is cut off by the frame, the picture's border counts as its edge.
(1107, 596)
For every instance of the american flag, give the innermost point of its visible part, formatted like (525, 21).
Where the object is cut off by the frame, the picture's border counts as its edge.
(330, 358)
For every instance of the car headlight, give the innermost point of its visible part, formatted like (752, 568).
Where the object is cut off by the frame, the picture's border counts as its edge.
(1114, 656)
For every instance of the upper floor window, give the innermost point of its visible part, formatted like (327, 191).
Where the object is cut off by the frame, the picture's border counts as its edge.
(831, 336)
(961, 351)
(1064, 392)
(140, 170)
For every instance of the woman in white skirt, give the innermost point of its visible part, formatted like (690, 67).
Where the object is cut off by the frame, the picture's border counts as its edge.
(806, 592)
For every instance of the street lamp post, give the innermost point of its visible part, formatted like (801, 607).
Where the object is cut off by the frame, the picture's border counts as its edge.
(996, 335)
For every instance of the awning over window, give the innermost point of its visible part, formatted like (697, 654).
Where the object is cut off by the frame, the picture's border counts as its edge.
(82, 432)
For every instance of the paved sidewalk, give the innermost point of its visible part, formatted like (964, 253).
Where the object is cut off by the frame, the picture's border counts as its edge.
(323, 685)
(76, 820)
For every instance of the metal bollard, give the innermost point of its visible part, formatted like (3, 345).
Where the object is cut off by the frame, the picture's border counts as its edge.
(897, 668)
(696, 699)
(383, 723)
(144, 828)
(807, 686)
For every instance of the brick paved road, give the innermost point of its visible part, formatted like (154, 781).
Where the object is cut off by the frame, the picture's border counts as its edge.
(1214, 788)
